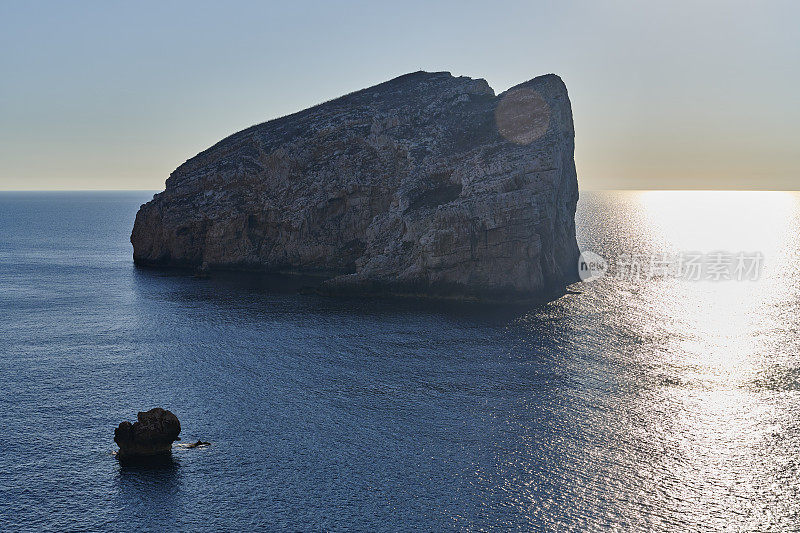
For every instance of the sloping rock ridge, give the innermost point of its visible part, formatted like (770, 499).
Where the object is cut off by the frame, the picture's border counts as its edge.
(427, 184)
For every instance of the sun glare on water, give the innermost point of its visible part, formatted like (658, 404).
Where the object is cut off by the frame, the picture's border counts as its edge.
(719, 344)
(709, 221)
(722, 320)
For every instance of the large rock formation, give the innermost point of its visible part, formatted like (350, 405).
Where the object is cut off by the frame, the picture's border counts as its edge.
(427, 184)
(152, 434)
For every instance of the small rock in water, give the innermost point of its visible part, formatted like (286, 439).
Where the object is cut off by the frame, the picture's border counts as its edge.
(198, 443)
(152, 434)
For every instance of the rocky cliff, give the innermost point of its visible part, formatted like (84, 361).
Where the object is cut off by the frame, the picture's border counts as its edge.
(426, 184)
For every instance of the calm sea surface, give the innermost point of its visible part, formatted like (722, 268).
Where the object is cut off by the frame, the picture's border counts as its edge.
(666, 403)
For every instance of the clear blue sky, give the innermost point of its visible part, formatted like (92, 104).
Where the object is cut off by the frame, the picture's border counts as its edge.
(113, 95)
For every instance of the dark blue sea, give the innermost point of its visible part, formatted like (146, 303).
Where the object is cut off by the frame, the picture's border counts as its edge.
(656, 402)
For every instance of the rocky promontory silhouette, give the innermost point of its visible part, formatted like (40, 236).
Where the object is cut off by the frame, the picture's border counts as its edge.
(427, 184)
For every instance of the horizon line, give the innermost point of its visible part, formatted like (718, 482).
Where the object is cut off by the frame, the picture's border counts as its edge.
(611, 189)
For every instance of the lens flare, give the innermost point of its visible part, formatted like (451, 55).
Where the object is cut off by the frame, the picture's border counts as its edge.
(522, 116)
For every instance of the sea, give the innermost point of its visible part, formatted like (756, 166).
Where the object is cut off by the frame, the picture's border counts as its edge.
(662, 393)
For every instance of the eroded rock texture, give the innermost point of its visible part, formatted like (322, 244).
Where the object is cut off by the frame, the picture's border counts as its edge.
(152, 434)
(427, 184)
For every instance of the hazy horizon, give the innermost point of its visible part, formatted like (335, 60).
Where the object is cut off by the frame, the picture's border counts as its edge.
(680, 96)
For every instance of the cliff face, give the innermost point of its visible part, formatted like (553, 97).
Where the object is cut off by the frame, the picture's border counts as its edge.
(425, 184)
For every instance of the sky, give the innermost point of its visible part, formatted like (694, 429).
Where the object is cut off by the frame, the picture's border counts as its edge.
(699, 94)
